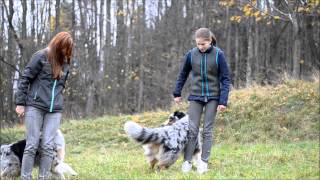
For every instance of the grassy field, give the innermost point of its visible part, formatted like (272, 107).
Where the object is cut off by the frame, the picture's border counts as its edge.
(267, 133)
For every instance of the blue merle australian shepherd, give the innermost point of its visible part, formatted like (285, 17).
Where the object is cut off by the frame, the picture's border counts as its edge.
(163, 145)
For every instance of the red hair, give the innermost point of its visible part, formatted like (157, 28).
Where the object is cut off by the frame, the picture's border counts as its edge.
(60, 49)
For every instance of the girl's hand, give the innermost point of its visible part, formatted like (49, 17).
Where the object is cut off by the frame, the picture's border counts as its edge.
(178, 100)
(20, 111)
(221, 108)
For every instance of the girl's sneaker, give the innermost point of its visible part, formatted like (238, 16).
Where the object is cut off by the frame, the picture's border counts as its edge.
(202, 167)
(186, 166)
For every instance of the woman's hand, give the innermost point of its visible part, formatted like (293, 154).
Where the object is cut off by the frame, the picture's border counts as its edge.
(20, 111)
(178, 100)
(221, 108)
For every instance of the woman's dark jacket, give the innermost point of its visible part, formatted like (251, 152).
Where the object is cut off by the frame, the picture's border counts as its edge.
(37, 87)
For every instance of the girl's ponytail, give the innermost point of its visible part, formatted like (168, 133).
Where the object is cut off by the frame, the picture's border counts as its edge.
(213, 40)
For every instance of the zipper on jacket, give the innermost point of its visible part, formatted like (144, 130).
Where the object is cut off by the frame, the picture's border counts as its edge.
(201, 73)
(191, 66)
(206, 75)
(52, 95)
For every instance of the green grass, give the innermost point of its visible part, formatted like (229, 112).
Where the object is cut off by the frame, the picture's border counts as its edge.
(266, 133)
(276, 161)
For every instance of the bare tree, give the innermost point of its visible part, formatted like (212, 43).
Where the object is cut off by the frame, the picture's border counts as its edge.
(127, 53)
(57, 19)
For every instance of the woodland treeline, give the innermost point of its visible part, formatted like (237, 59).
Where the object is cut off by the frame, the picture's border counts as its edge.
(128, 52)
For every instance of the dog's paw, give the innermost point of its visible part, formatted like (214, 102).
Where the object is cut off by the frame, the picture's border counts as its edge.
(63, 168)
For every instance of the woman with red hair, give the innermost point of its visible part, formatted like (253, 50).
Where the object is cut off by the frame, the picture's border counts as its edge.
(39, 101)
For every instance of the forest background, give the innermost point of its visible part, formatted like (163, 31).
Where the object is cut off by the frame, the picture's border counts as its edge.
(128, 52)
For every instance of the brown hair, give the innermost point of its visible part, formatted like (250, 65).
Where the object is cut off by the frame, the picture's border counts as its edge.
(206, 34)
(61, 41)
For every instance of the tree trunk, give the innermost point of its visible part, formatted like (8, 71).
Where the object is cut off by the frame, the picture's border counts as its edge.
(101, 58)
(141, 63)
(24, 19)
(128, 56)
(57, 25)
(101, 41)
(24, 32)
(10, 57)
(73, 26)
(49, 21)
(228, 29)
(257, 60)
(296, 49)
(250, 55)
(107, 97)
(3, 69)
(237, 60)
(93, 66)
(120, 61)
(313, 45)
(89, 100)
(33, 31)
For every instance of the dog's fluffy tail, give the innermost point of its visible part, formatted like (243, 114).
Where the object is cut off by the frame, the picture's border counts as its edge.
(64, 168)
(142, 134)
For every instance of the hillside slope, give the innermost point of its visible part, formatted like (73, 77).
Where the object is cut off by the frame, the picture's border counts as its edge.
(266, 132)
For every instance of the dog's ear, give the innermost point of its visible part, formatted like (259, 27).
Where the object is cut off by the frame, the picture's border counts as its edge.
(176, 113)
(18, 148)
(180, 114)
(3, 147)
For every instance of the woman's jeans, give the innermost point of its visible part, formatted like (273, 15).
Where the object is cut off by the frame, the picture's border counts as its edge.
(195, 110)
(39, 123)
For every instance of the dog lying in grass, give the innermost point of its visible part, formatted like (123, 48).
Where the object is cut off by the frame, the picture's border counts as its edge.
(11, 159)
(163, 145)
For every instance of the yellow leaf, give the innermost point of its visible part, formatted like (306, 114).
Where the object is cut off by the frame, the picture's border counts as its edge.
(276, 17)
(257, 14)
(53, 23)
(247, 10)
(258, 19)
(222, 3)
(254, 2)
(247, 13)
(135, 118)
(232, 3)
(121, 13)
(308, 10)
(239, 19)
(301, 9)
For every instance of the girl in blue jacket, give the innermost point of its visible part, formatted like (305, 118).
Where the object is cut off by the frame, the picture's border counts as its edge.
(209, 93)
